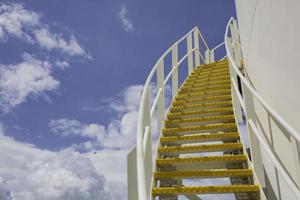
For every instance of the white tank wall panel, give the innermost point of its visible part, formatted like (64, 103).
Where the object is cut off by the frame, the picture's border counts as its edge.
(270, 37)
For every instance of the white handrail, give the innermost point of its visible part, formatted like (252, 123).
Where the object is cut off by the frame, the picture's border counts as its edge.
(217, 46)
(146, 110)
(270, 110)
(234, 59)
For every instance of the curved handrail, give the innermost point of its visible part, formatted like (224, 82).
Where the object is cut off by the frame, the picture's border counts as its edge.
(273, 113)
(286, 126)
(146, 110)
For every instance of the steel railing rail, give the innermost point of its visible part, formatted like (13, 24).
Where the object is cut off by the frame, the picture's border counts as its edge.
(146, 110)
(245, 101)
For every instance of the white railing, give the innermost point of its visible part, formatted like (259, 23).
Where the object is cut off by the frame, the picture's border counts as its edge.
(194, 40)
(243, 101)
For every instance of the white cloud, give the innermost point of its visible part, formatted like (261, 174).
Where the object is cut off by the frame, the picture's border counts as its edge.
(120, 133)
(124, 19)
(27, 25)
(15, 20)
(31, 77)
(108, 146)
(73, 127)
(52, 41)
(62, 64)
(29, 173)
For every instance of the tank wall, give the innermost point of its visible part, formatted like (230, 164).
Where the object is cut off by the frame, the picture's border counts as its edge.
(270, 37)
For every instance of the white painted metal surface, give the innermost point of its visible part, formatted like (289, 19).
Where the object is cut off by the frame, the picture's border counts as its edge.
(248, 102)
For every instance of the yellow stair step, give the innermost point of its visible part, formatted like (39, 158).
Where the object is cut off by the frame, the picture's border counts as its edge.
(205, 80)
(201, 99)
(209, 127)
(204, 93)
(227, 136)
(209, 74)
(217, 82)
(189, 160)
(205, 76)
(205, 190)
(204, 174)
(174, 115)
(199, 119)
(200, 148)
(210, 70)
(209, 87)
(200, 105)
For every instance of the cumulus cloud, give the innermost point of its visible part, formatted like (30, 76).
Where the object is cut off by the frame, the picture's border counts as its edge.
(62, 64)
(16, 21)
(52, 41)
(120, 133)
(108, 145)
(27, 173)
(124, 19)
(24, 79)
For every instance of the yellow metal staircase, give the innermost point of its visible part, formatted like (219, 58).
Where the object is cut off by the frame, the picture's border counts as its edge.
(200, 140)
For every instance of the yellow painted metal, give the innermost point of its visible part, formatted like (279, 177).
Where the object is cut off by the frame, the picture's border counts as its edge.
(202, 105)
(199, 119)
(209, 87)
(197, 94)
(225, 158)
(210, 70)
(204, 174)
(175, 131)
(205, 190)
(205, 80)
(205, 75)
(200, 138)
(205, 84)
(200, 148)
(173, 115)
(203, 99)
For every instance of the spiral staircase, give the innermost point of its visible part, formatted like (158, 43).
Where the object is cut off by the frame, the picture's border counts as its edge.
(200, 152)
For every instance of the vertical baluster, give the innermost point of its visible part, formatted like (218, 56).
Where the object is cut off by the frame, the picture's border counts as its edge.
(175, 72)
(254, 142)
(147, 153)
(148, 158)
(161, 102)
(207, 56)
(190, 56)
(196, 45)
(212, 56)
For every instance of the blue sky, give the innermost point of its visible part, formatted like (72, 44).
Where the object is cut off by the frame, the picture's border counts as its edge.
(71, 74)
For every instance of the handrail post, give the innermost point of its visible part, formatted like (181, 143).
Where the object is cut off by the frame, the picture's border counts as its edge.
(207, 57)
(161, 101)
(254, 142)
(212, 56)
(190, 56)
(147, 125)
(175, 72)
(148, 158)
(196, 45)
